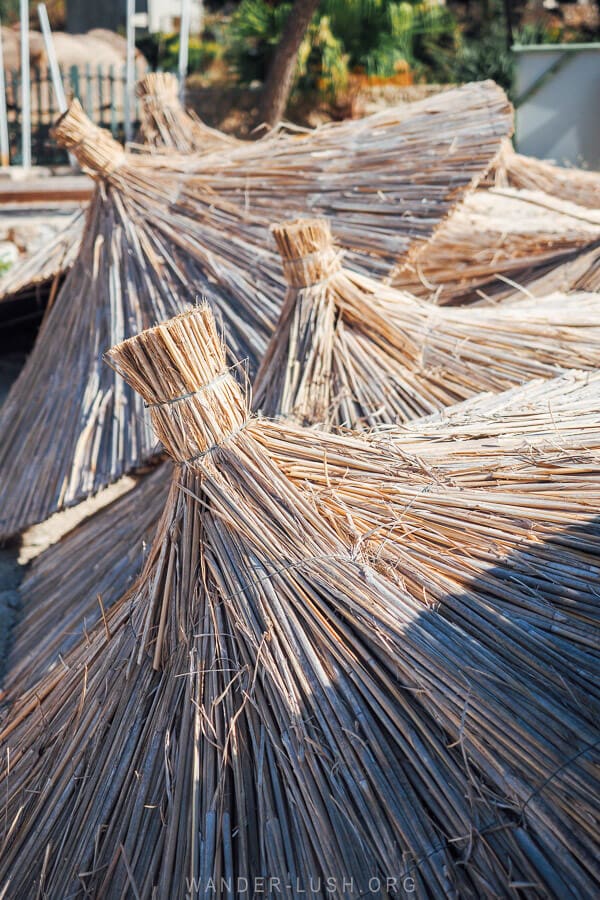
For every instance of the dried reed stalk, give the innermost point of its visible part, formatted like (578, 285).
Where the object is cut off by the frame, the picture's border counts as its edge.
(156, 236)
(358, 353)
(264, 703)
(72, 585)
(575, 185)
(492, 242)
(578, 271)
(166, 125)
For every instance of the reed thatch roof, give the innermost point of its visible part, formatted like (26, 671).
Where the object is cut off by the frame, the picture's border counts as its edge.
(358, 353)
(493, 241)
(575, 185)
(577, 271)
(158, 236)
(266, 703)
(166, 125)
(485, 442)
(72, 584)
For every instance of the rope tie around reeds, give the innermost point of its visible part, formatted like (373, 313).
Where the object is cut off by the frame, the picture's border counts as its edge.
(179, 369)
(308, 255)
(95, 148)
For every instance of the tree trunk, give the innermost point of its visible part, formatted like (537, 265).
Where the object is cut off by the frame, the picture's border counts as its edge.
(278, 84)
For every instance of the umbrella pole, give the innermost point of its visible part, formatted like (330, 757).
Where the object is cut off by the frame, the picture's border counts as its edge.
(25, 87)
(184, 41)
(57, 84)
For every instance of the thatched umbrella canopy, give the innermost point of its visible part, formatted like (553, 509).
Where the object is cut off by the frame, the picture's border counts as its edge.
(358, 353)
(488, 443)
(156, 237)
(72, 584)
(266, 704)
(493, 241)
(166, 125)
(579, 186)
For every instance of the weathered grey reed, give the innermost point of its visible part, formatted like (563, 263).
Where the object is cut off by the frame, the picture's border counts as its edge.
(267, 702)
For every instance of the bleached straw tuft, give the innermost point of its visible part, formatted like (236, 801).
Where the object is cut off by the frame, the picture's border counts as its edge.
(307, 252)
(194, 400)
(95, 148)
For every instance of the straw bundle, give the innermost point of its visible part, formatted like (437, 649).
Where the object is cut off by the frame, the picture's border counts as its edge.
(387, 180)
(166, 125)
(72, 584)
(388, 170)
(69, 426)
(166, 236)
(492, 241)
(358, 353)
(575, 185)
(297, 723)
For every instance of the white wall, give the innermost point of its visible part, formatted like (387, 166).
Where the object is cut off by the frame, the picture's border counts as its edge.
(560, 120)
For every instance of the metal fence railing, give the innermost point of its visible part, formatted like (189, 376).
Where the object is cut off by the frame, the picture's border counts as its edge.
(100, 89)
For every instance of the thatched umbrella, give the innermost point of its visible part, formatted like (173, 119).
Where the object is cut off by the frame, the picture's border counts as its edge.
(166, 125)
(264, 704)
(516, 170)
(488, 443)
(493, 241)
(348, 167)
(358, 353)
(156, 237)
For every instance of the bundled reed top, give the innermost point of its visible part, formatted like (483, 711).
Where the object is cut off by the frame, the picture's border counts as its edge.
(308, 256)
(164, 123)
(180, 370)
(95, 148)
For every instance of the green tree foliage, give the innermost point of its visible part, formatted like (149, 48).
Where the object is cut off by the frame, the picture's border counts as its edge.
(371, 36)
